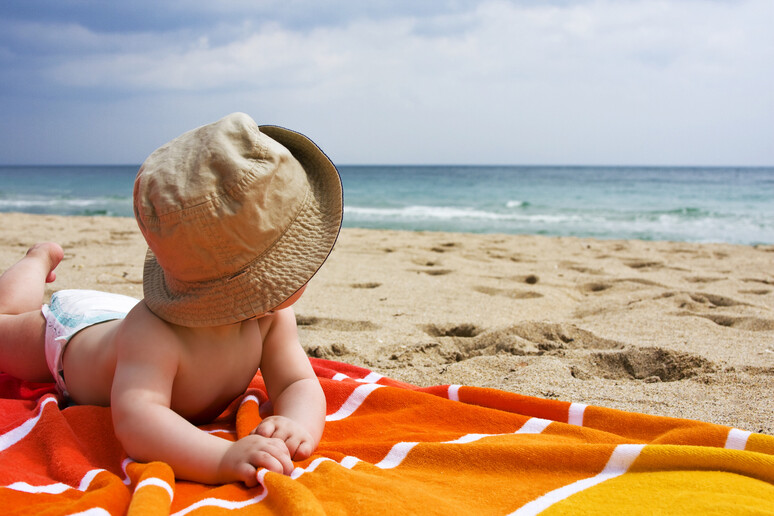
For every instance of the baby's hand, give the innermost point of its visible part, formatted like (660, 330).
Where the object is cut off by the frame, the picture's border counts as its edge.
(245, 456)
(298, 440)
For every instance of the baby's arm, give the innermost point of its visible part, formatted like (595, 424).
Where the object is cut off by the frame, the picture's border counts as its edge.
(297, 398)
(150, 431)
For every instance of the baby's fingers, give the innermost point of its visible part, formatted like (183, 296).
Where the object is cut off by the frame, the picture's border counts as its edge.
(266, 428)
(303, 451)
(298, 446)
(273, 460)
(273, 427)
(246, 472)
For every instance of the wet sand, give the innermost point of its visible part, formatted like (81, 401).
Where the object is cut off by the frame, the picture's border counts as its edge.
(668, 328)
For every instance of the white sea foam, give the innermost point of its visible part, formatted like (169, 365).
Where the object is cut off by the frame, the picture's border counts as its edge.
(43, 203)
(690, 204)
(687, 225)
(417, 213)
(516, 204)
(75, 206)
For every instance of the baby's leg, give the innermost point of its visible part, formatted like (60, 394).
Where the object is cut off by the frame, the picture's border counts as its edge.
(23, 285)
(22, 325)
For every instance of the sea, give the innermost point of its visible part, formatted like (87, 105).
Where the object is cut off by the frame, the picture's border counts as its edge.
(689, 204)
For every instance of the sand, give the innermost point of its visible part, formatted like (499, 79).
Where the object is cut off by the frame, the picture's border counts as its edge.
(667, 328)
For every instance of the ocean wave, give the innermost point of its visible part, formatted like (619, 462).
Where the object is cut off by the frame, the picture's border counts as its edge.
(688, 224)
(684, 212)
(417, 213)
(112, 205)
(43, 203)
(517, 204)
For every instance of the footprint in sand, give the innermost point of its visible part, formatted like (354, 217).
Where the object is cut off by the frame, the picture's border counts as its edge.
(601, 286)
(513, 294)
(583, 269)
(557, 336)
(704, 301)
(122, 235)
(444, 247)
(423, 262)
(465, 330)
(457, 342)
(332, 351)
(648, 364)
(643, 264)
(430, 267)
(703, 279)
(758, 280)
(596, 286)
(368, 285)
(434, 272)
(756, 292)
(650, 265)
(737, 323)
(313, 323)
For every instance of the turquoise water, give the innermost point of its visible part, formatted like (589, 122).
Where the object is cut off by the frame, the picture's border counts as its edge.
(734, 205)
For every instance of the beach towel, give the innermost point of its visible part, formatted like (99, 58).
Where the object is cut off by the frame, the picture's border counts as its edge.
(394, 448)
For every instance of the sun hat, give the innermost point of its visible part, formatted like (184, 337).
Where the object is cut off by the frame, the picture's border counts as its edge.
(237, 218)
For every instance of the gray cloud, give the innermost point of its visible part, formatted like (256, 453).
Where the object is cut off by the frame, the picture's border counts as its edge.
(490, 81)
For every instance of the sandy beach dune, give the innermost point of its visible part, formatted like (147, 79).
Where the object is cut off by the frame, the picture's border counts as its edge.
(674, 329)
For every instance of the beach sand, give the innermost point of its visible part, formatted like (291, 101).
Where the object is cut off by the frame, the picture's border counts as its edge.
(666, 328)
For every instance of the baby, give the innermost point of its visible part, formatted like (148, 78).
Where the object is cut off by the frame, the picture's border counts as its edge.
(237, 218)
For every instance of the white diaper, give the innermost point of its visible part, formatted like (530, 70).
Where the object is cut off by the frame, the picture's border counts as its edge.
(71, 311)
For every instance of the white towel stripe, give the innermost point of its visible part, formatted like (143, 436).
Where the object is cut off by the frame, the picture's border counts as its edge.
(218, 431)
(737, 439)
(24, 487)
(228, 504)
(354, 401)
(575, 415)
(297, 472)
(370, 378)
(396, 455)
(454, 392)
(57, 488)
(349, 461)
(534, 425)
(469, 438)
(87, 478)
(249, 398)
(94, 511)
(400, 450)
(620, 460)
(12, 437)
(153, 481)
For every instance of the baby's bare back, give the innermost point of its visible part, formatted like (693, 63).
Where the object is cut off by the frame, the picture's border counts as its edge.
(213, 365)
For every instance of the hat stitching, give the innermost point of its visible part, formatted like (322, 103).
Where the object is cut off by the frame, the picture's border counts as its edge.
(204, 200)
(174, 282)
(239, 313)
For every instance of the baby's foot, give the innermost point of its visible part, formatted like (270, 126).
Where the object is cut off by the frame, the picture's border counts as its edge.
(51, 253)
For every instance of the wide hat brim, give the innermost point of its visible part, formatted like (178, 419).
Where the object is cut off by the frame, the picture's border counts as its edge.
(277, 273)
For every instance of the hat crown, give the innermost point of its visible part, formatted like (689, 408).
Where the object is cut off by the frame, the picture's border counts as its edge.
(214, 199)
(237, 218)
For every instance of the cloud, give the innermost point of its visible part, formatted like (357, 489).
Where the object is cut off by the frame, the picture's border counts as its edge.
(497, 40)
(595, 80)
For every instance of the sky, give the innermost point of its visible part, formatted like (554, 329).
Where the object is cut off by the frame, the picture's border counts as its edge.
(522, 82)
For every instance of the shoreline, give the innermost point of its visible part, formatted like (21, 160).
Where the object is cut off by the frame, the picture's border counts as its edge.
(668, 328)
